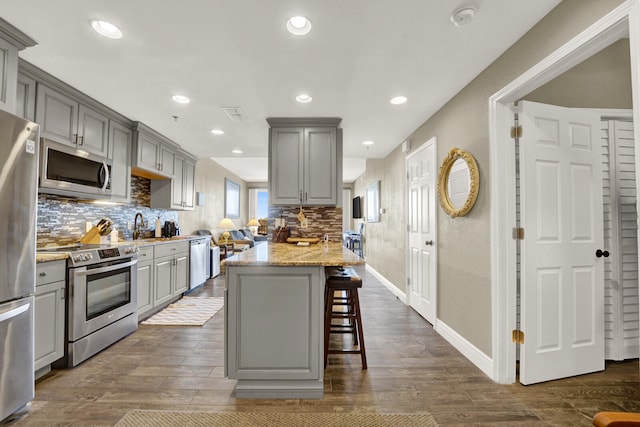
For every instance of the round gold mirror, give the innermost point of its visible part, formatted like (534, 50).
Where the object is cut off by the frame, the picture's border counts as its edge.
(458, 182)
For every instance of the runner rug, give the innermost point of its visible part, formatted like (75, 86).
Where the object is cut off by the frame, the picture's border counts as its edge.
(143, 418)
(188, 311)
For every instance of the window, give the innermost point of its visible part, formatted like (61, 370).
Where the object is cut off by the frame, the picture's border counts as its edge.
(231, 199)
(258, 203)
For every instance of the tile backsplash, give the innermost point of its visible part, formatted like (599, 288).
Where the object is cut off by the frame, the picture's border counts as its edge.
(61, 220)
(321, 220)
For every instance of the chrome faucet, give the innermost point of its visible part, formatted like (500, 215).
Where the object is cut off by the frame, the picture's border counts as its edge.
(136, 226)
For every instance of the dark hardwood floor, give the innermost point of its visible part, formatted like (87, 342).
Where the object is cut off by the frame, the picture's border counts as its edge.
(411, 369)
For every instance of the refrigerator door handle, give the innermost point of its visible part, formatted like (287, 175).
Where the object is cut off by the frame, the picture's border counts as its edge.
(13, 313)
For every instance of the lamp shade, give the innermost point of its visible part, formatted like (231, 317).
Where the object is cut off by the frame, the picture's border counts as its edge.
(253, 223)
(226, 223)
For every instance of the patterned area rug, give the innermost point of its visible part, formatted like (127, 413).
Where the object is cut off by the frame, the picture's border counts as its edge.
(142, 418)
(188, 311)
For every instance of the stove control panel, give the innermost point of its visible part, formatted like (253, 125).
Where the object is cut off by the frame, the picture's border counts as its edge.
(131, 250)
(82, 257)
(108, 253)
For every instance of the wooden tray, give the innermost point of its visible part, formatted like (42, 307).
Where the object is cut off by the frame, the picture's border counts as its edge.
(303, 239)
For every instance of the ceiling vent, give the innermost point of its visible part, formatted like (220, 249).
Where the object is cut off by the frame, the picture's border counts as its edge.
(235, 113)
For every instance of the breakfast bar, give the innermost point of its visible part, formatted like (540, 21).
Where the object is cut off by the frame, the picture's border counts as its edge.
(274, 297)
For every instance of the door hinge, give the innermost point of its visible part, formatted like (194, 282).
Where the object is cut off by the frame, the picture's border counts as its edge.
(518, 233)
(516, 131)
(517, 336)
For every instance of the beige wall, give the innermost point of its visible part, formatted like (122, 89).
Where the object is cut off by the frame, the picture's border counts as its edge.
(464, 289)
(602, 81)
(209, 180)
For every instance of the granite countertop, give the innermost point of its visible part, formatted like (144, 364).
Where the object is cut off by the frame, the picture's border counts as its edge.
(287, 254)
(46, 257)
(55, 256)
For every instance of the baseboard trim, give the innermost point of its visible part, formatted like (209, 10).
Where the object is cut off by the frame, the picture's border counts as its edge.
(402, 296)
(471, 352)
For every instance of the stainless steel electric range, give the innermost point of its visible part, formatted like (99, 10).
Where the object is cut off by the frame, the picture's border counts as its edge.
(101, 292)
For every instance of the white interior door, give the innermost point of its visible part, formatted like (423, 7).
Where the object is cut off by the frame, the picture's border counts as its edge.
(562, 279)
(422, 171)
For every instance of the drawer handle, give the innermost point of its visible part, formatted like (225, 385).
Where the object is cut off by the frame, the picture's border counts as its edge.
(42, 274)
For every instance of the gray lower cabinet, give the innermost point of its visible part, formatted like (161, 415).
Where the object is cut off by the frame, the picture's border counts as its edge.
(49, 315)
(145, 281)
(305, 161)
(171, 270)
(65, 120)
(273, 331)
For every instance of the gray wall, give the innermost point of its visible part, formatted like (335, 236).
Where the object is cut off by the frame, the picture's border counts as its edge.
(464, 289)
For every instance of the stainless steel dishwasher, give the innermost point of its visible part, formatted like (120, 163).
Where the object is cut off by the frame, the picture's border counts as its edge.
(199, 260)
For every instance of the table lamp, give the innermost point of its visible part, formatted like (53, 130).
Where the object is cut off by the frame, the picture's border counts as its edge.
(253, 225)
(227, 224)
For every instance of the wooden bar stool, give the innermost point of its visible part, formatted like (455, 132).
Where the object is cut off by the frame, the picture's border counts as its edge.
(345, 281)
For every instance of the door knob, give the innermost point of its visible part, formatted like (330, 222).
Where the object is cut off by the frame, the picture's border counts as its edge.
(429, 243)
(600, 253)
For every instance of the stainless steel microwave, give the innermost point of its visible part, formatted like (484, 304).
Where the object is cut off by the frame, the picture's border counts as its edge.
(70, 171)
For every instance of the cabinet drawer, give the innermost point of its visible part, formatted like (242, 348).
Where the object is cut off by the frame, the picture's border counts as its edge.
(169, 249)
(145, 253)
(48, 272)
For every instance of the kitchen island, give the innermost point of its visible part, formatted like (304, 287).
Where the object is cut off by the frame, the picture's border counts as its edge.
(274, 305)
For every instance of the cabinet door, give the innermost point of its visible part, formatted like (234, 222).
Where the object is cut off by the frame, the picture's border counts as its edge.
(285, 166)
(320, 167)
(163, 278)
(188, 185)
(93, 130)
(148, 153)
(145, 288)
(167, 161)
(119, 153)
(57, 115)
(8, 75)
(26, 98)
(177, 185)
(49, 324)
(181, 268)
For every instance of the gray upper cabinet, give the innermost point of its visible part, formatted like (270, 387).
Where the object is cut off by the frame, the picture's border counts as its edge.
(8, 75)
(305, 161)
(65, 120)
(154, 155)
(177, 193)
(93, 130)
(120, 154)
(12, 40)
(26, 98)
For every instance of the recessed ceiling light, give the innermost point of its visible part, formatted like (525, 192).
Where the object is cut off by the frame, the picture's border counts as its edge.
(180, 99)
(462, 17)
(106, 29)
(236, 151)
(397, 100)
(298, 25)
(217, 131)
(303, 98)
(369, 142)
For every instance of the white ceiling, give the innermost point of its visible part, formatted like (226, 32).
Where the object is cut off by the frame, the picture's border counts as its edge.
(237, 53)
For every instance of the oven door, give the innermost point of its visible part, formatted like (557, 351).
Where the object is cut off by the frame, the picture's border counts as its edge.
(101, 294)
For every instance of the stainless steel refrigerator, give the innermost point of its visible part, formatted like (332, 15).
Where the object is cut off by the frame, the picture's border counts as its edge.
(18, 203)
